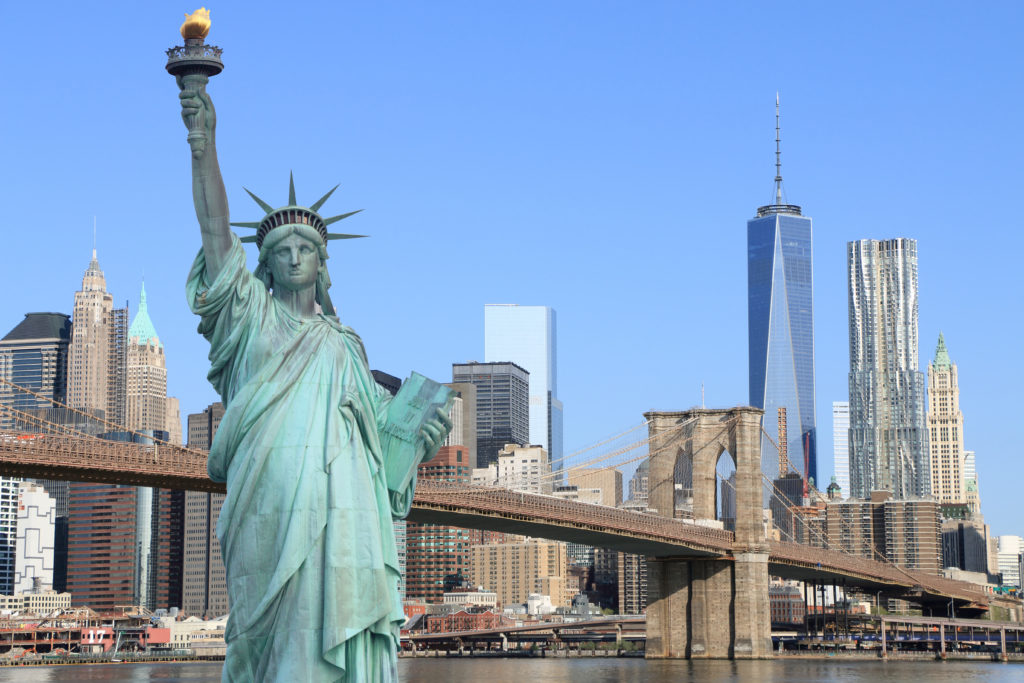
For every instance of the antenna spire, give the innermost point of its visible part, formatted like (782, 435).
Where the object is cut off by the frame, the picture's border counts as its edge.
(94, 238)
(778, 153)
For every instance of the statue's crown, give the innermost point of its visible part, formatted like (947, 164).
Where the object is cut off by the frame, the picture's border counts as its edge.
(293, 214)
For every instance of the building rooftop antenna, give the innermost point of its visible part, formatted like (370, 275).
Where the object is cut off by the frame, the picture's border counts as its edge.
(94, 238)
(777, 206)
(778, 154)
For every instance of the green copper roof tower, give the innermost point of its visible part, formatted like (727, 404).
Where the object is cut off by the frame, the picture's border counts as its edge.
(142, 325)
(942, 361)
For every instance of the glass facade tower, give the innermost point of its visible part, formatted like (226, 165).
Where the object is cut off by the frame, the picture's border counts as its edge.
(780, 325)
(34, 355)
(888, 432)
(526, 336)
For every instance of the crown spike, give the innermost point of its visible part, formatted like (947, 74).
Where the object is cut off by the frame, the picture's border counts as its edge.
(263, 205)
(342, 236)
(247, 239)
(335, 219)
(320, 202)
(254, 226)
(291, 190)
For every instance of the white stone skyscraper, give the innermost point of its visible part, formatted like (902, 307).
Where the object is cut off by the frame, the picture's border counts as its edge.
(527, 336)
(888, 434)
(96, 357)
(945, 428)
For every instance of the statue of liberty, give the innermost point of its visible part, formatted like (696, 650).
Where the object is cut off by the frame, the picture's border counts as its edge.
(305, 447)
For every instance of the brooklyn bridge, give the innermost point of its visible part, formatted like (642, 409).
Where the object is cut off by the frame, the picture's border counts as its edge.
(707, 586)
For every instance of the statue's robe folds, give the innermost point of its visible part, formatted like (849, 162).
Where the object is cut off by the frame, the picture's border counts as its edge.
(306, 527)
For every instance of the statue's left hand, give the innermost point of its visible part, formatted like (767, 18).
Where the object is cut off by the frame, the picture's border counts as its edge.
(435, 430)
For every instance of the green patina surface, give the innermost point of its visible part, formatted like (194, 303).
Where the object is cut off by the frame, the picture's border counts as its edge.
(318, 460)
(142, 326)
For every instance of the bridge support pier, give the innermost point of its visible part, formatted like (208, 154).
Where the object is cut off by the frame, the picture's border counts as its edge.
(715, 608)
(712, 609)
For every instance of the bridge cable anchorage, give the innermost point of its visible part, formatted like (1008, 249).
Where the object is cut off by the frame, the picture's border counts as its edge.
(937, 584)
(90, 418)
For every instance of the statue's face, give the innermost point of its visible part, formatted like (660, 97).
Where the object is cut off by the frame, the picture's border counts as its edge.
(294, 263)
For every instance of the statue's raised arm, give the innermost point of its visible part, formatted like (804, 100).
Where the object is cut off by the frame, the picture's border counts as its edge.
(208, 192)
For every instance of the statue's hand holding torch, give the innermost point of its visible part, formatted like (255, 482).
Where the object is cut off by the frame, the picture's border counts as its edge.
(197, 112)
(192, 65)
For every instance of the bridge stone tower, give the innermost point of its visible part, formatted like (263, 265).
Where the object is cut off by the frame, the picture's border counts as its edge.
(709, 607)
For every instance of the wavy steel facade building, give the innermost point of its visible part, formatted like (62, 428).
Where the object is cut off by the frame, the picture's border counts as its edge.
(888, 434)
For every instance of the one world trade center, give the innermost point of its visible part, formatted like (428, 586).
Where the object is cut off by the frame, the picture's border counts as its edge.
(780, 317)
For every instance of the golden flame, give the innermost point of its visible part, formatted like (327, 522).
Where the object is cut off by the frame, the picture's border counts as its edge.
(196, 25)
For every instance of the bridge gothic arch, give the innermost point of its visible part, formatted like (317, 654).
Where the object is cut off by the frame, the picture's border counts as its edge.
(688, 444)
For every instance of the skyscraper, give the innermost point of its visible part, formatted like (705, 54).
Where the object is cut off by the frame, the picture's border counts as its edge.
(971, 490)
(96, 357)
(945, 428)
(463, 416)
(1010, 548)
(34, 555)
(527, 336)
(502, 406)
(34, 355)
(119, 546)
(172, 420)
(841, 444)
(204, 583)
(888, 435)
(437, 551)
(8, 532)
(780, 326)
(147, 373)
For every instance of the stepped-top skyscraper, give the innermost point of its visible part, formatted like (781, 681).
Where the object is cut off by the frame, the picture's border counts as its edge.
(97, 356)
(527, 336)
(780, 327)
(888, 434)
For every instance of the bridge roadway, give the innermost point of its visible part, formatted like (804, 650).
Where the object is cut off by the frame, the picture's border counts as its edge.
(166, 466)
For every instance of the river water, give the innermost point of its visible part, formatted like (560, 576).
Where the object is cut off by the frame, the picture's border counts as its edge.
(599, 670)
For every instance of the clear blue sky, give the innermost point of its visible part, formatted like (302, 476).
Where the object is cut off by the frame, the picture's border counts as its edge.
(598, 157)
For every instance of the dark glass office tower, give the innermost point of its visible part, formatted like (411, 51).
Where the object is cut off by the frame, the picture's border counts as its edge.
(502, 406)
(780, 317)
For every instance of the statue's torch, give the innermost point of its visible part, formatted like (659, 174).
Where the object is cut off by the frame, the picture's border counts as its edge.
(194, 63)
